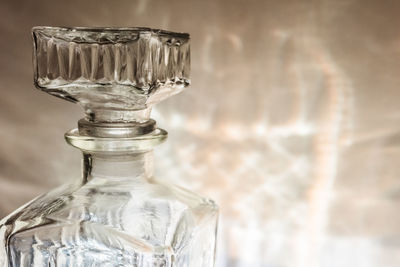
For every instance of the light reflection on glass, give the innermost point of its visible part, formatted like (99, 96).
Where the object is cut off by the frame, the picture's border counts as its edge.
(291, 124)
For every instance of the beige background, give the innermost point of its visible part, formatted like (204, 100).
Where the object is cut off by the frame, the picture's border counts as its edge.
(291, 123)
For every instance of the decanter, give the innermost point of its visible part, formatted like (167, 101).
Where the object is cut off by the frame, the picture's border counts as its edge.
(117, 213)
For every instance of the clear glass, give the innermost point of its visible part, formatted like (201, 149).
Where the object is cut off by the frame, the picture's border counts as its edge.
(122, 71)
(117, 213)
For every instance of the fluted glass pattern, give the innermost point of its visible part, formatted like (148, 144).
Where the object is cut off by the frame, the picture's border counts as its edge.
(120, 68)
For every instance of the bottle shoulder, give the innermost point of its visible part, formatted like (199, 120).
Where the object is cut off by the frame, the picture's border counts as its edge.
(186, 197)
(122, 205)
(110, 192)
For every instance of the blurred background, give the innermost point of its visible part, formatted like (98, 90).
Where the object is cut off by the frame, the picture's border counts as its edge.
(291, 123)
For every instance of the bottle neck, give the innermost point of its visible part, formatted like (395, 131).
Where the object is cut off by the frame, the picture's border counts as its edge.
(116, 150)
(117, 166)
(103, 115)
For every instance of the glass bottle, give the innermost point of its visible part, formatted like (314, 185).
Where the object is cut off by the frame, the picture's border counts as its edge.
(117, 214)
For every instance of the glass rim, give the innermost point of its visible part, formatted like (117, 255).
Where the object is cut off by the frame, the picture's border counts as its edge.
(52, 31)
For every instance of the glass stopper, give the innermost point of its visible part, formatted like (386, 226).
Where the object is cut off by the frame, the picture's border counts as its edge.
(115, 74)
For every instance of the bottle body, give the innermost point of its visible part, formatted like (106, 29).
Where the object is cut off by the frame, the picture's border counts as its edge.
(117, 215)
